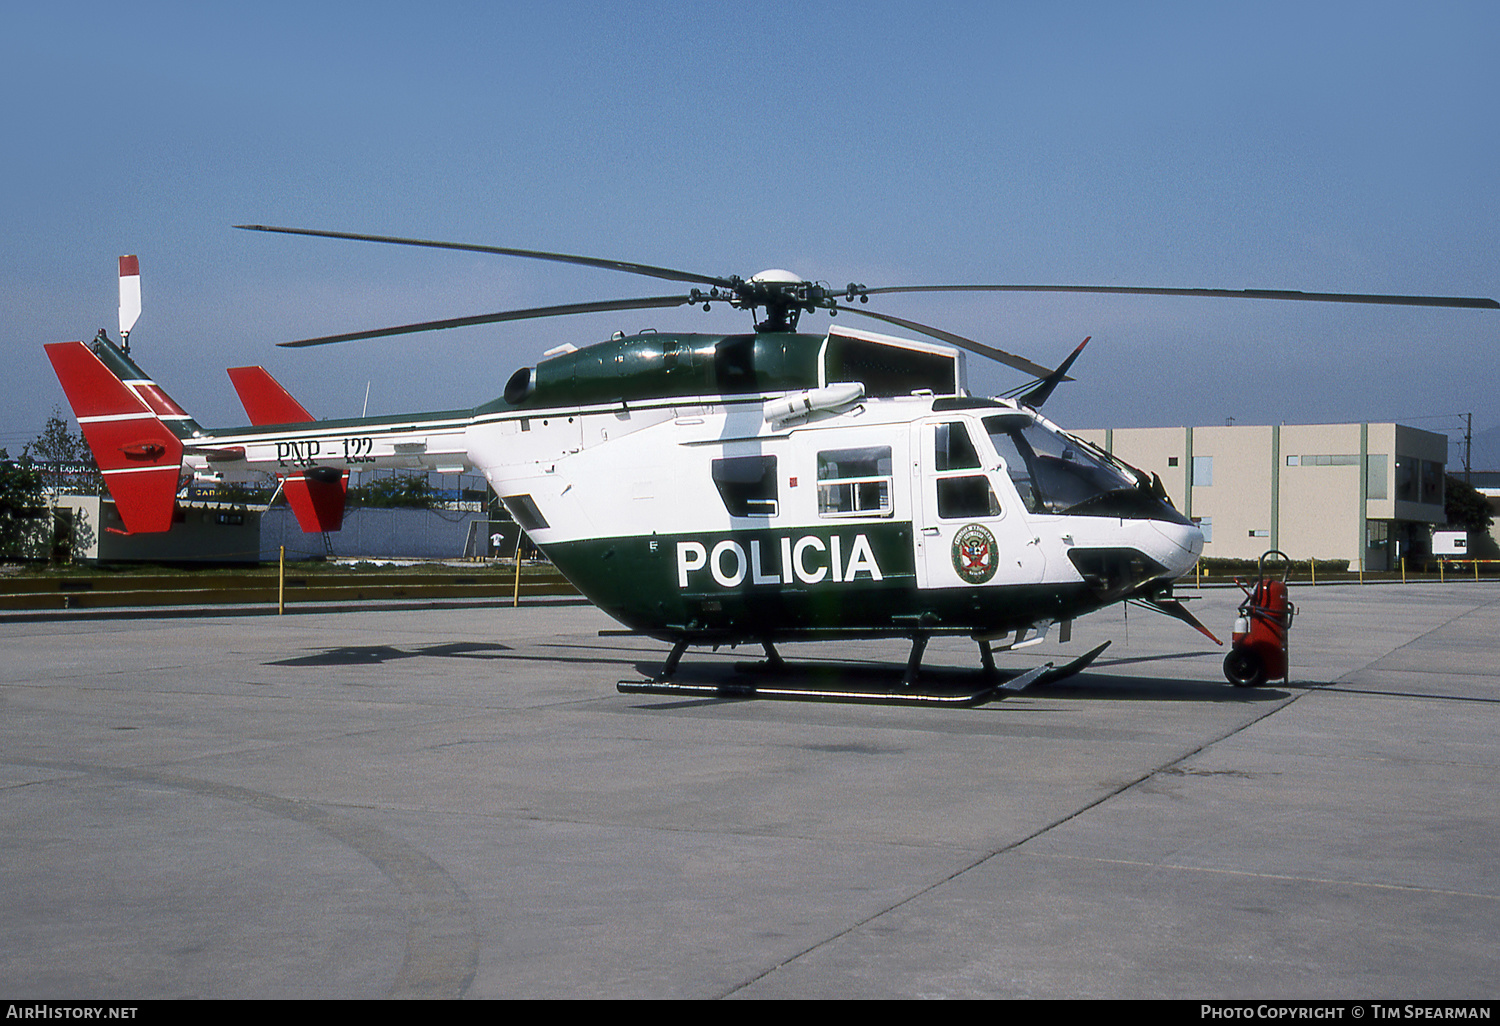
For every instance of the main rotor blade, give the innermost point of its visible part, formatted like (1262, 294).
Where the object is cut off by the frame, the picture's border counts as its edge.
(493, 318)
(1020, 363)
(613, 265)
(1314, 297)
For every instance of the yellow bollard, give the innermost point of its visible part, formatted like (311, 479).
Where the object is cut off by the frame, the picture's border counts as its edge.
(281, 584)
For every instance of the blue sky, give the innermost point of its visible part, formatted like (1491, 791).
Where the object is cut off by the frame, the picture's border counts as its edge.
(1316, 146)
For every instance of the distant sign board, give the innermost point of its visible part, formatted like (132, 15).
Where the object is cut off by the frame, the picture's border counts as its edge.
(1450, 543)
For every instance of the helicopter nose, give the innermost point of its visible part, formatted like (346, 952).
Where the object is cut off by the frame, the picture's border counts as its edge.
(1184, 546)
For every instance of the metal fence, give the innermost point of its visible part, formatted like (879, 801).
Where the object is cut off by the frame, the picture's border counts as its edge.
(377, 534)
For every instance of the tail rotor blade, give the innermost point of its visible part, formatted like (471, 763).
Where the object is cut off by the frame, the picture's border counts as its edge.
(130, 293)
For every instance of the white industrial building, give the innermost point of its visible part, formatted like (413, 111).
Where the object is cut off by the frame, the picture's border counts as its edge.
(1368, 493)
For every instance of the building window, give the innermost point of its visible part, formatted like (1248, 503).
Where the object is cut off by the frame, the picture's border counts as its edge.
(1375, 477)
(1324, 460)
(1406, 479)
(1203, 471)
(1432, 483)
(1171, 461)
(1206, 525)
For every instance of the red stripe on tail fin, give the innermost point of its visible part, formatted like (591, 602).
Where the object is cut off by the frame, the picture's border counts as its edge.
(141, 460)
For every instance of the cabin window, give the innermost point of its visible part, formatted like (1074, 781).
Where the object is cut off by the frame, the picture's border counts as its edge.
(747, 485)
(855, 482)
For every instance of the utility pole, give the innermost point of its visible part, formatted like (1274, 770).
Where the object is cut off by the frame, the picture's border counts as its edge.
(1468, 446)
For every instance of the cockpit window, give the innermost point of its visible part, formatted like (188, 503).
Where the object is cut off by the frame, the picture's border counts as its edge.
(960, 496)
(966, 497)
(1052, 472)
(952, 448)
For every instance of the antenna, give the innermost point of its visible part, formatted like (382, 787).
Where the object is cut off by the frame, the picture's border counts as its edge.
(130, 298)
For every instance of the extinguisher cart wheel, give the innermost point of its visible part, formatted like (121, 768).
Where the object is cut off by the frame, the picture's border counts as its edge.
(1244, 668)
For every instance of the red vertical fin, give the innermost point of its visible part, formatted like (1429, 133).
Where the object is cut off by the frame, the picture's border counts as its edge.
(316, 495)
(317, 498)
(141, 459)
(265, 401)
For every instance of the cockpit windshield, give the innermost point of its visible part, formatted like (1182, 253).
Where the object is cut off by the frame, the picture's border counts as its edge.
(1052, 472)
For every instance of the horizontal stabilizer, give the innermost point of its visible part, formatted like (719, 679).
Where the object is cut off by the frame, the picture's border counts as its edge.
(140, 458)
(217, 454)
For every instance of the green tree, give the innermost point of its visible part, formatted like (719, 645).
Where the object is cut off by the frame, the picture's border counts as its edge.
(58, 444)
(1468, 509)
(64, 458)
(412, 491)
(22, 504)
(1466, 506)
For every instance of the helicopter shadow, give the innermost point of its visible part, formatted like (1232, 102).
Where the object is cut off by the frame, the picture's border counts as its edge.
(370, 655)
(491, 652)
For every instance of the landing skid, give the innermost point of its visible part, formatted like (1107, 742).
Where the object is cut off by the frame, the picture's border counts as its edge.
(894, 695)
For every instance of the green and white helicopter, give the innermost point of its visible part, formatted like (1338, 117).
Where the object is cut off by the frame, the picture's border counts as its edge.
(765, 487)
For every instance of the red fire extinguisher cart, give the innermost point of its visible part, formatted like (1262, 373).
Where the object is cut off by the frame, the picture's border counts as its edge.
(1258, 650)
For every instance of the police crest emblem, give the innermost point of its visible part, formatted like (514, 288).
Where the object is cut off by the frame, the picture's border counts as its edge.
(975, 556)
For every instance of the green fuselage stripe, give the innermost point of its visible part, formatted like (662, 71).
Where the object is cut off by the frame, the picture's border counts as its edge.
(747, 583)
